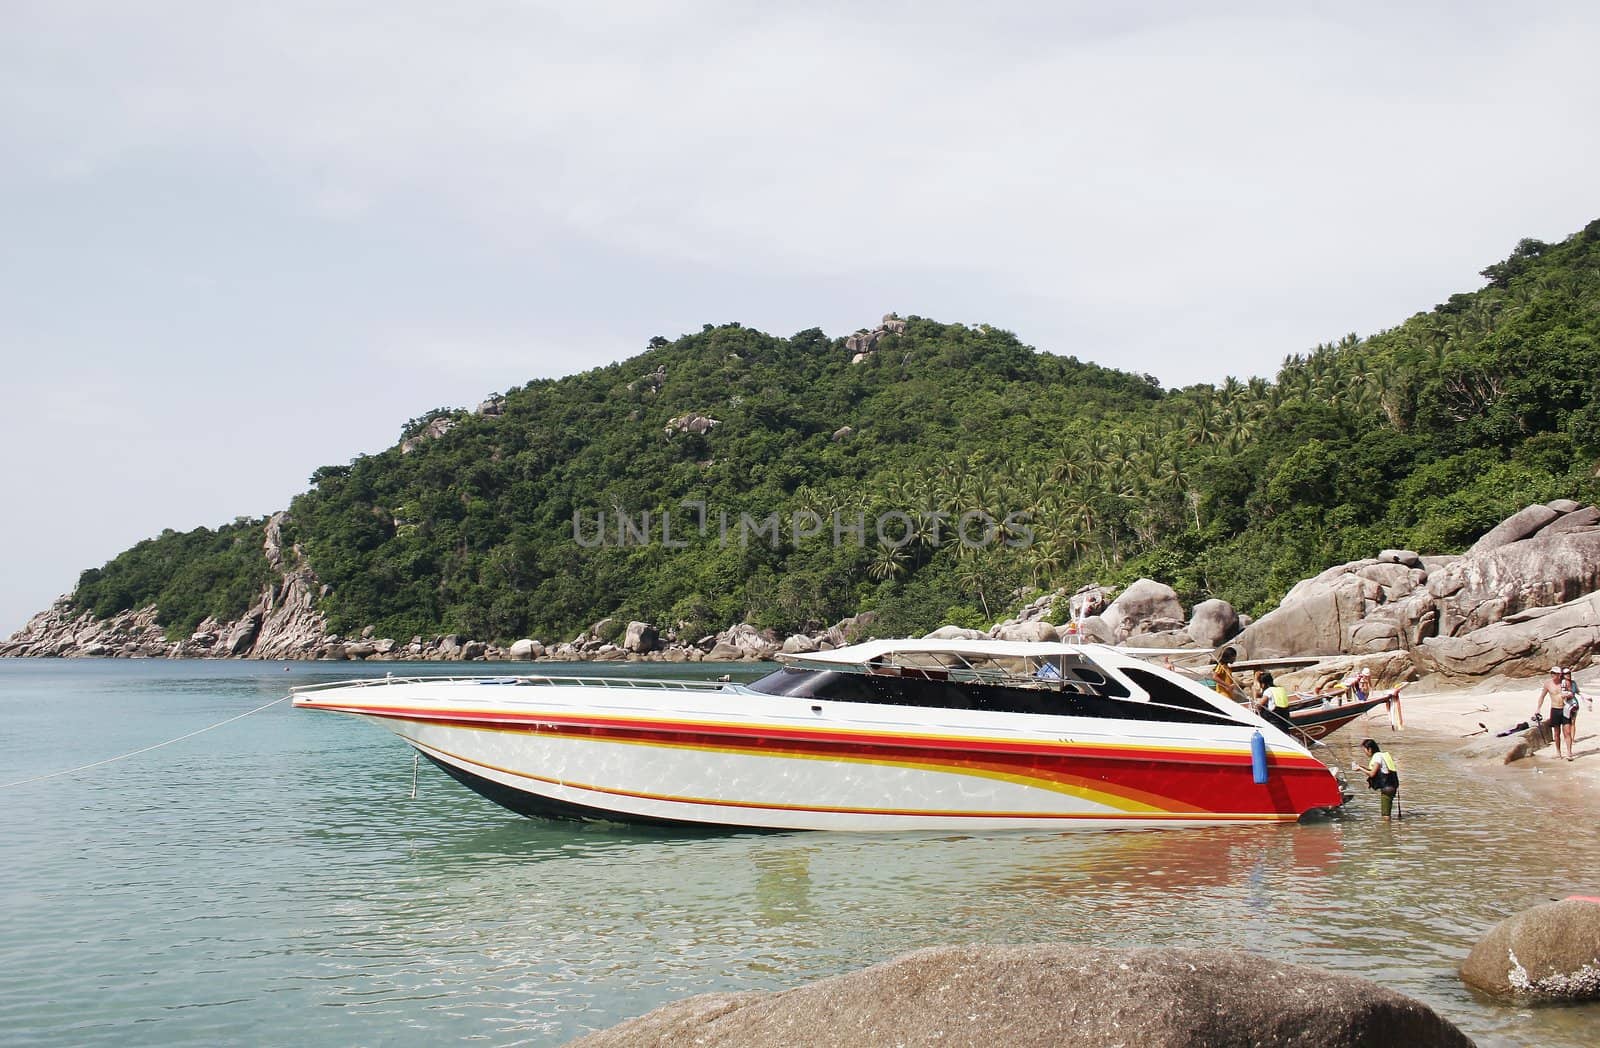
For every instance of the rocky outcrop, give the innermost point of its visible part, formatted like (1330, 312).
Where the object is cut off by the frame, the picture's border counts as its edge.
(1035, 632)
(651, 382)
(956, 633)
(863, 343)
(1517, 601)
(693, 422)
(60, 631)
(1548, 953)
(1521, 645)
(1147, 606)
(1024, 996)
(435, 429)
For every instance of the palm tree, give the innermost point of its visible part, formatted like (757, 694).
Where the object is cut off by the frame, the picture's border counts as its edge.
(888, 562)
(973, 576)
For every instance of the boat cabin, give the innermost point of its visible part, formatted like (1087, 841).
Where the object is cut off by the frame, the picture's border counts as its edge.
(995, 676)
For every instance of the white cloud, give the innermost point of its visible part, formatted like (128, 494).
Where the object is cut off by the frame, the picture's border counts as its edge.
(383, 205)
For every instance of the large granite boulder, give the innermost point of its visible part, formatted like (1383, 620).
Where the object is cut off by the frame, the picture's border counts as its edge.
(1139, 605)
(1548, 953)
(1521, 645)
(722, 651)
(1033, 632)
(1316, 617)
(1514, 528)
(1162, 638)
(1212, 622)
(525, 650)
(1095, 628)
(1542, 571)
(1578, 520)
(641, 638)
(956, 633)
(799, 644)
(1400, 556)
(242, 637)
(1058, 996)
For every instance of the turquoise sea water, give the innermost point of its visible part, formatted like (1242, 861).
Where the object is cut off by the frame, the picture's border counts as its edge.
(274, 882)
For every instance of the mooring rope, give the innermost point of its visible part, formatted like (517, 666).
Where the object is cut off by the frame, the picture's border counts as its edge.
(135, 753)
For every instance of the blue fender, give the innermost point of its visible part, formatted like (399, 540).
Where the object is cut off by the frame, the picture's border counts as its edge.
(1258, 758)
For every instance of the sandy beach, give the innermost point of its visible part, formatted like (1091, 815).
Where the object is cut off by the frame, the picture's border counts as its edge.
(1454, 718)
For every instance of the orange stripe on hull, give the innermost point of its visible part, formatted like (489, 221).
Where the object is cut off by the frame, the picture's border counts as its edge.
(1193, 815)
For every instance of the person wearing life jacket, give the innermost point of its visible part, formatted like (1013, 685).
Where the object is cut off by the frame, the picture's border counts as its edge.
(1275, 701)
(1383, 775)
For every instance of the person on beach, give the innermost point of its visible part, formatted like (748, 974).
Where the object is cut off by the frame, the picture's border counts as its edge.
(1555, 690)
(1222, 676)
(1358, 685)
(1383, 775)
(1570, 696)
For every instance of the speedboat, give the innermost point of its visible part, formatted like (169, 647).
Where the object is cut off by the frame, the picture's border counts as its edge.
(880, 736)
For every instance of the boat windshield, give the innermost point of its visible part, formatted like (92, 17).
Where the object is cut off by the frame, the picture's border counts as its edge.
(1072, 697)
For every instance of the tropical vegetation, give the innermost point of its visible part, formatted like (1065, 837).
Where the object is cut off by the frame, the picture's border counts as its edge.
(545, 512)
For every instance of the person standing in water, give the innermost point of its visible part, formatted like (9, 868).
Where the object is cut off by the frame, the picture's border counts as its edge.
(1383, 775)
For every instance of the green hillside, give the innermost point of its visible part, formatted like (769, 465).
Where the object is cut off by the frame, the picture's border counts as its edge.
(1421, 437)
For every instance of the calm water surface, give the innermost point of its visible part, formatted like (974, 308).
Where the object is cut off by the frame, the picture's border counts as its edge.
(274, 882)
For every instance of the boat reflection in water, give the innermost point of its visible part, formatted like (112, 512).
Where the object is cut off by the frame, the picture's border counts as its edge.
(882, 736)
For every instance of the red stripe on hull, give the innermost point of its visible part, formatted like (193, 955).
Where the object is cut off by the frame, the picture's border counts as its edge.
(1180, 781)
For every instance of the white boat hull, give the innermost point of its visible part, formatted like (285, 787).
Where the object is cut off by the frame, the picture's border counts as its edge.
(732, 758)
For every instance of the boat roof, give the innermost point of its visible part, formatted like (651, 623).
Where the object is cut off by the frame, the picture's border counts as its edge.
(868, 651)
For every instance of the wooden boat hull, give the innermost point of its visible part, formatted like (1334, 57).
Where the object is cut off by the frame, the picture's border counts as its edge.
(1318, 722)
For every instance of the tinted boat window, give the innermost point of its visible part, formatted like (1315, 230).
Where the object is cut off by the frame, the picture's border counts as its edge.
(894, 690)
(1169, 694)
(817, 684)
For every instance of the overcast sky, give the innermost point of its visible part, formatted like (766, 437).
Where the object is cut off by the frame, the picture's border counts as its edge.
(240, 241)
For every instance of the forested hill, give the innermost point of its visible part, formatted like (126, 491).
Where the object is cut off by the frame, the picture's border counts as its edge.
(776, 460)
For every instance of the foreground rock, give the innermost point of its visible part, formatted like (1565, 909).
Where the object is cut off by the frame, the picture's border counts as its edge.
(1548, 953)
(1021, 996)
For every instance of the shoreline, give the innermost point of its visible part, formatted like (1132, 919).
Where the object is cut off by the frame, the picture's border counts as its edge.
(1452, 719)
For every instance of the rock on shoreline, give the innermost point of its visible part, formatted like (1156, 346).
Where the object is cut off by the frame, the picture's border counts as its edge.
(1549, 953)
(1526, 596)
(1048, 995)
